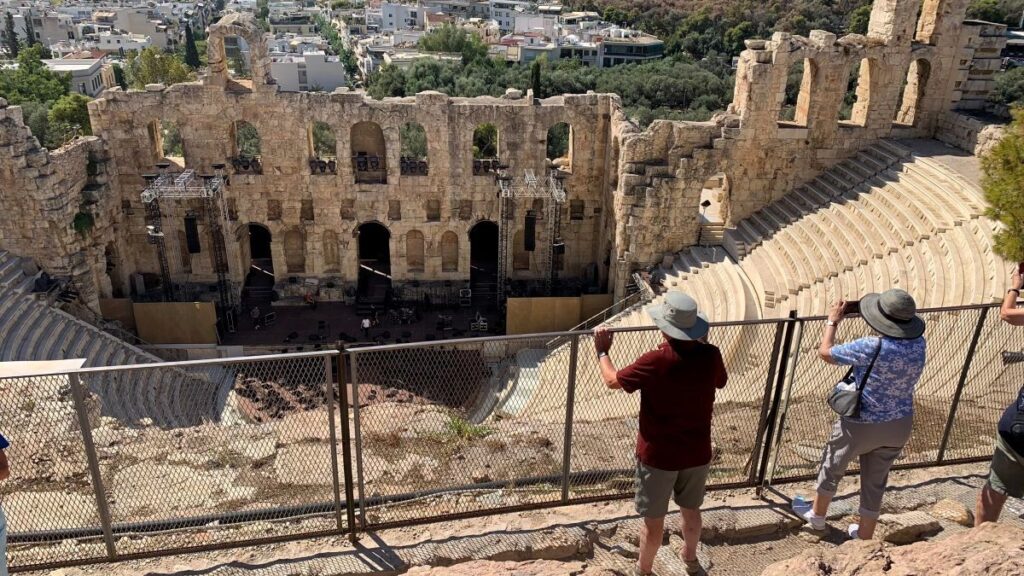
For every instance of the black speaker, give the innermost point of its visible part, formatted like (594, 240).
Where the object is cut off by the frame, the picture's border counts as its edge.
(558, 246)
(530, 237)
(192, 234)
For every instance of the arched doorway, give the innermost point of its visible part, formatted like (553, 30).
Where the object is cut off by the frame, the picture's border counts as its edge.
(374, 262)
(483, 262)
(259, 280)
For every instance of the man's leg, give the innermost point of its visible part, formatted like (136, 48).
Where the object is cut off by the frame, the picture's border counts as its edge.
(651, 533)
(1005, 479)
(691, 528)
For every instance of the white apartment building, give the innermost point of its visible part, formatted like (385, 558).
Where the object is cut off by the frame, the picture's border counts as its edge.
(395, 16)
(111, 42)
(89, 77)
(305, 72)
(506, 11)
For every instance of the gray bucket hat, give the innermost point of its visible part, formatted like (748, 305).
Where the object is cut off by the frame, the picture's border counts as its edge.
(892, 313)
(678, 317)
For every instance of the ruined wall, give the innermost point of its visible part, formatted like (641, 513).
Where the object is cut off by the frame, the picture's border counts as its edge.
(764, 156)
(42, 191)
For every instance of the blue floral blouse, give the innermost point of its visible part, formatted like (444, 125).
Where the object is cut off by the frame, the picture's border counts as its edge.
(889, 394)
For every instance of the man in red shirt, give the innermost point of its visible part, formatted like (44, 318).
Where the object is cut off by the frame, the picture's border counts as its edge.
(677, 383)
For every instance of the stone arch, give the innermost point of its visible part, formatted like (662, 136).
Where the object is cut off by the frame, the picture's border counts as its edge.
(559, 146)
(244, 26)
(795, 97)
(415, 251)
(913, 93)
(369, 153)
(332, 258)
(863, 84)
(449, 252)
(295, 251)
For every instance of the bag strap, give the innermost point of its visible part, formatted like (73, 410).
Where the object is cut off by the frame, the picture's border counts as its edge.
(867, 373)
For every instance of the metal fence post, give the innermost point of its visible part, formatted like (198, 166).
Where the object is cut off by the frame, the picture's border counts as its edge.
(773, 411)
(359, 439)
(767, 402)
(335, 482)
(78, 395)
(570, 403)
(346, 447)
(964, 372)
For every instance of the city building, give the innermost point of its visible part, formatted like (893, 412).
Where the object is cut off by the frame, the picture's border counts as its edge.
(309, 72)
(118, 41)
(396, 16)
(506, 11)
(88, 76)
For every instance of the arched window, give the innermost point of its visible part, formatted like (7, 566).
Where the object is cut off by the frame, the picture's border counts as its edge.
(414, 149)
(332, 261)
(559, 146)
(449, 252)
(236, 49)
(295, 252)
(857, 102)
(520, 257)
(415, 250)
(796, 100)
(369, 153)
(913, 93)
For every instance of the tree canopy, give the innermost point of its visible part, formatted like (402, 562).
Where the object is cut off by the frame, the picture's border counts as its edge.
(151, 66)
(452, 39)
(53, 113)
(1003, 182)
(32, 81)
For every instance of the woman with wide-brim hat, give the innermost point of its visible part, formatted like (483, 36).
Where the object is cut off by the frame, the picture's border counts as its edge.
(892, 361)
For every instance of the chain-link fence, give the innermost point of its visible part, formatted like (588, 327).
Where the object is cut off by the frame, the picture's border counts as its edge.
(160, 458)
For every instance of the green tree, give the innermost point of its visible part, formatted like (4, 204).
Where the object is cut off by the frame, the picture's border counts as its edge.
(36, 115)
(1003, 182)
(247, 140)
(239, 66)
(859, 19)
(558, 141)
(535, 68)
(1009, 88)
(325, 145)
(485, 141)
(388, 81)
(154, 67)
(452, 39)
(119, 75)
(32, 81)
(173, 144)
(414, 141)
(30, 30)
(12, 43)
(72, 111)
(191, 54)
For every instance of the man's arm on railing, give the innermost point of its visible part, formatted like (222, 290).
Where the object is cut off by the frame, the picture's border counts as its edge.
(603, 343)
(1009, 312)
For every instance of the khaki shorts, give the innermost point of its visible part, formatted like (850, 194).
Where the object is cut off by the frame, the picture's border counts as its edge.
(654, 487)
(1006, 474)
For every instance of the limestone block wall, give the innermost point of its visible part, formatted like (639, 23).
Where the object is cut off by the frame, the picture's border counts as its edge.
(321, 212)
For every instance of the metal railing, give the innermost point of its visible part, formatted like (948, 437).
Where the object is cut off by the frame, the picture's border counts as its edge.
(325, 442)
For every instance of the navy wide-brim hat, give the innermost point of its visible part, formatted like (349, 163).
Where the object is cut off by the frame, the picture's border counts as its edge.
(678, 317)
(892, 313)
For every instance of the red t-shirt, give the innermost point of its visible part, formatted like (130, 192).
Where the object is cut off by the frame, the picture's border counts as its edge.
(677, 384)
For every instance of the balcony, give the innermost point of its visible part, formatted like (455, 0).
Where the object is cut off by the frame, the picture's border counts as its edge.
(413, 166)
(369, 169)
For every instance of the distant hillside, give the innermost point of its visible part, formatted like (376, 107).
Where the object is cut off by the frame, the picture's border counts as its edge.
(699, 27)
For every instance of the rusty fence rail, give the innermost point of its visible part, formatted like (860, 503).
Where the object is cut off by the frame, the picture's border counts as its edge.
(154, 459)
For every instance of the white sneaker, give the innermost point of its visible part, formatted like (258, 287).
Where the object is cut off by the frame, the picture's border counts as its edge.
(854, 531)
(814, 521)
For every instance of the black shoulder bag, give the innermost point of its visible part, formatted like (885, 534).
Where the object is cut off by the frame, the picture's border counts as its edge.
(845, 397)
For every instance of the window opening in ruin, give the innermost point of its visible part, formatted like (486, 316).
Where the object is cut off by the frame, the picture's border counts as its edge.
(913, 93)
(433, 209)
(577, 209)
(449, 252)
(369, 153)
(295, 251)
(714, 203)
(485, 149)
(520, 257)
(857, 101)
(172, 147)
(239, 58)
(332, 257)
(306, 212)
(258, 259)
(483, 261)
(247, 149)
(415, 251)
(796, 101)
(414, 149)
(374, 263)
(559, 147)
(323, 149)
(850, 95)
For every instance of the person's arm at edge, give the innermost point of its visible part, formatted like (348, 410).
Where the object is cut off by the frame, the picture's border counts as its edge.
(828, 337)
(1009, 312)
(5, 468)
(603, 343)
